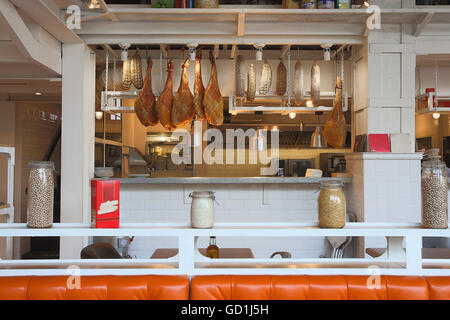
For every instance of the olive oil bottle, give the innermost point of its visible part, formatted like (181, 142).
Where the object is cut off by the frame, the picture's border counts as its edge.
(213, 250)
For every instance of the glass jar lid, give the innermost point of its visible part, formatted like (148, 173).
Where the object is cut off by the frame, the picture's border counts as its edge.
(202, 194)
(41, 164)
(332, 184)
(433, 164)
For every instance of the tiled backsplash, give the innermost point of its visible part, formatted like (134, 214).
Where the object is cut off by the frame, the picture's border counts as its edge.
(235, 203)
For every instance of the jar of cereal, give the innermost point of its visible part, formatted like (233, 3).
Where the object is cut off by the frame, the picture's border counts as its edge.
(332, 205)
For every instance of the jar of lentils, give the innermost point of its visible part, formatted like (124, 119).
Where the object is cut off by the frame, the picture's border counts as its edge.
(41, 183)
(434, 194)
(332, 205)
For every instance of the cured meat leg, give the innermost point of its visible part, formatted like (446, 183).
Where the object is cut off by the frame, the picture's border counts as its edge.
(183, 102)
(281, 79)
(145, 105)
(164, 103)
(335, 132)
(213, 102)
(199, 89)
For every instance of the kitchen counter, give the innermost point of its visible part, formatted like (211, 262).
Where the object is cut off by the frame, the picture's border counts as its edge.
(239, 180)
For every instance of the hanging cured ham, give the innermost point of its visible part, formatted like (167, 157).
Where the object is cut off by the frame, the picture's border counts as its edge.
(251, 90)
(199, 89)
(164, 103)
(335, 132)
(299, 91)
(240, 78)
(213, 102)
(315, 84)
(281, 79)
(183, 102)
(145, 105)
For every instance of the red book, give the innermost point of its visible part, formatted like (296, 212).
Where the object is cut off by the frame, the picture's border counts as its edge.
(379, 143)
(105, 203)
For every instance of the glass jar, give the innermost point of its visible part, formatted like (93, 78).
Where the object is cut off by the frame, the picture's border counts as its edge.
(202, 209)
(325, 4)
(332, 205)
(213, 250)
(41, 184)
(434, 195)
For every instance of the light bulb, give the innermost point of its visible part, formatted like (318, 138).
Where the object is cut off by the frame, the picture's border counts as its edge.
(309, 104)
(436, 115)
(38, 94)
(98, 115)
(292, 115)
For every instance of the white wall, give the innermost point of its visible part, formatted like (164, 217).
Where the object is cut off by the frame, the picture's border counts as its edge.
(236, 203)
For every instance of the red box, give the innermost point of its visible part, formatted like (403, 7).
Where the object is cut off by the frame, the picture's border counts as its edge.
(105, 204)
(379, 143)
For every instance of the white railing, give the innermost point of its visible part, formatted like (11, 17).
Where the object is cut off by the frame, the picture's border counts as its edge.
(403, 255)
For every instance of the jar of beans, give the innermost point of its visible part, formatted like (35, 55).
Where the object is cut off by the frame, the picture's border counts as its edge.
(41, 183)
(434, 194)
(332, 205)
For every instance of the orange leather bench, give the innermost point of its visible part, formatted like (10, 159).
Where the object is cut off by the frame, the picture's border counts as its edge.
(95, 288)
(226, 287)
(229, 287)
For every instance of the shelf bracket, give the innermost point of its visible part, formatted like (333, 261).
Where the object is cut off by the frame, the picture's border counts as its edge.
(425, 20)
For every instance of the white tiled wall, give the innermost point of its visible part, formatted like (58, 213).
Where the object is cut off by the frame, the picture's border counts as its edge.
(235, 203)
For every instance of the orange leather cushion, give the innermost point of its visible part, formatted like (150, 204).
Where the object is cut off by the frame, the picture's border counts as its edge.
(439, 288)
(168, 288)
(407, 288)
(91, 288)
(47, 288)
(13, 288)
(366, 288)
(127, 288)
(250, 288)
(289, 287)
(327, 288)
(211, 288)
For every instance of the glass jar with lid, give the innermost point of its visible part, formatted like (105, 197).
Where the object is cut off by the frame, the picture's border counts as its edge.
(202, 209)
(332, 205)
(41, 184)
(434, 193)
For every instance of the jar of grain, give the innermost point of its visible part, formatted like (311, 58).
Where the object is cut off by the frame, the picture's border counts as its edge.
(41, 183)
(202, 209)
(434, 194)
(332, 205)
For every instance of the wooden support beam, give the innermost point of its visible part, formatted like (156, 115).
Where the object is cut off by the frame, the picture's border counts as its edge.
(425, 20)
(41, 13)
(234, 49)
(241, 24)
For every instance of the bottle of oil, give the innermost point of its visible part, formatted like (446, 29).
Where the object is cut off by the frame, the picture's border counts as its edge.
(213, 250)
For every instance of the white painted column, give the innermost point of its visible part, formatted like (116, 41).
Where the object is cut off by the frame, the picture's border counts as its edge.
(78, 132)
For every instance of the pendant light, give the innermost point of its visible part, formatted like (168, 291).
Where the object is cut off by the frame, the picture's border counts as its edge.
(317, 139)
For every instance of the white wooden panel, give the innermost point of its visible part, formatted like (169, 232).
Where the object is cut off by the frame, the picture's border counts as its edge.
(384, 120)
(408, 124)
(408, 76)
(389, 33)
(385, 72)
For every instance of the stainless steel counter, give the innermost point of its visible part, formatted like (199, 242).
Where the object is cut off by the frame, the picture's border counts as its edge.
(210, 180)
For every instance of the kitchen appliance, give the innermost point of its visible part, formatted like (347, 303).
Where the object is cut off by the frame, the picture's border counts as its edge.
(331, 163)
(297, 167)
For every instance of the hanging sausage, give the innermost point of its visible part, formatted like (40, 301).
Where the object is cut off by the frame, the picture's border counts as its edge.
(266, 79)
(335, 132)
(136, 70)
(127, 78)
(251, 90)
(183, 101)
(145, 105)
(240, 78)
(281, 79)
(299, 91)
(164, 103)
(315, 84)
(199, 89)
(213, 102)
